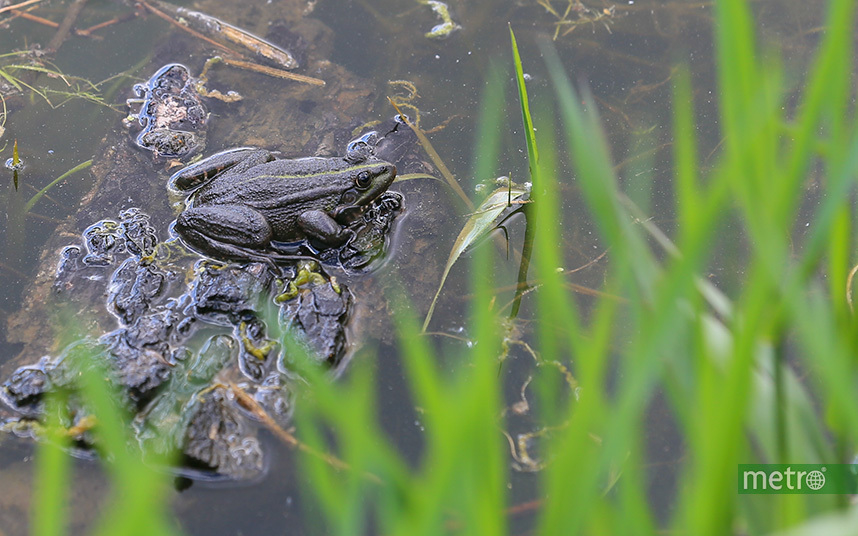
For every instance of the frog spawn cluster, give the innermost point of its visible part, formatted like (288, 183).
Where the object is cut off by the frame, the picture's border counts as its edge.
(180, 350)
(171, 113)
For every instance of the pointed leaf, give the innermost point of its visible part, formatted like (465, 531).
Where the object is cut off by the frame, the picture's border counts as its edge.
(478, 225)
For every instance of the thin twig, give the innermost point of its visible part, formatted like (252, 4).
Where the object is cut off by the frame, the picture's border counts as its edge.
(436, 159)
(195, 33)
(35, 18)
(88, 31)
(65, 26)
(253, 406)
(271, 71)
(46, 22)
(42, 217)
(46, 196)
(19, 273)
(18, 6)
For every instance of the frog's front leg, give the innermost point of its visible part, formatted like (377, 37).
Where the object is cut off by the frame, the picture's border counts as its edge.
(232, 231)
(320, 226)
(236, 160)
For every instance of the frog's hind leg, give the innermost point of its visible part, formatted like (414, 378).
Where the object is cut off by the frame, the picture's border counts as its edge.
(236, 160)
(230, 231)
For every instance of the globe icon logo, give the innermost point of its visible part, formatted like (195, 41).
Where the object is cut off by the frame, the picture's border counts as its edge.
(815, 480)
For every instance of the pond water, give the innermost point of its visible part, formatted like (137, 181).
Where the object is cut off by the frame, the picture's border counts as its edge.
(625, 53)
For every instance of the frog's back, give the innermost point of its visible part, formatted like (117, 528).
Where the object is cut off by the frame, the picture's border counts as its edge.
(277, 183)
(301, 167)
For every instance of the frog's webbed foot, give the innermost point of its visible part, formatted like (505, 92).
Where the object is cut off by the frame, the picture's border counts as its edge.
(222, 250)
(232, 252)
(237, 160)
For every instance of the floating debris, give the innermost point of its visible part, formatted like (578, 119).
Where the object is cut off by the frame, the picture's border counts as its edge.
(216, 28)
(577, 14)
(249, 66)
(277, 73)
(447, 25)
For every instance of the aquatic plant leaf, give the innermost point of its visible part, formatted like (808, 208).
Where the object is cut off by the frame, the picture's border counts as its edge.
(447, 24)
(478, 225)
(11, 79)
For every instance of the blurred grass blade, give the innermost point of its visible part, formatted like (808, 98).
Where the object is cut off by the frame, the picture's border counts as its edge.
(140, 493)
(49, 510)
(490, 127)
(685, 158)
(596, 177)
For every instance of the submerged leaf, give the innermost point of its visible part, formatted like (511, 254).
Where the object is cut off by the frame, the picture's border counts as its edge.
(478, 225)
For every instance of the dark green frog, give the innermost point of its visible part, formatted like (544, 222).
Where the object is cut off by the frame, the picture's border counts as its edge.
(249, 205)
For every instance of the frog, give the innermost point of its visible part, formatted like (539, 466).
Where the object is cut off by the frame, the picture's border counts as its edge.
(247, 204)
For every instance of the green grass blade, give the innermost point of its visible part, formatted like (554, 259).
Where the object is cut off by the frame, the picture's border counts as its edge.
(827, 91)
(140, 492)
(685, 158)
(53, 474)
(529, 133)
(35, 199)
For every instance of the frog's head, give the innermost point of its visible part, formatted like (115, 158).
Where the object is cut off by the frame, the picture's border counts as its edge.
(369, 179)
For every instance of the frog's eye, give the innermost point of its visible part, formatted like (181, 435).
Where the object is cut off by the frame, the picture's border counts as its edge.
(363, 180)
